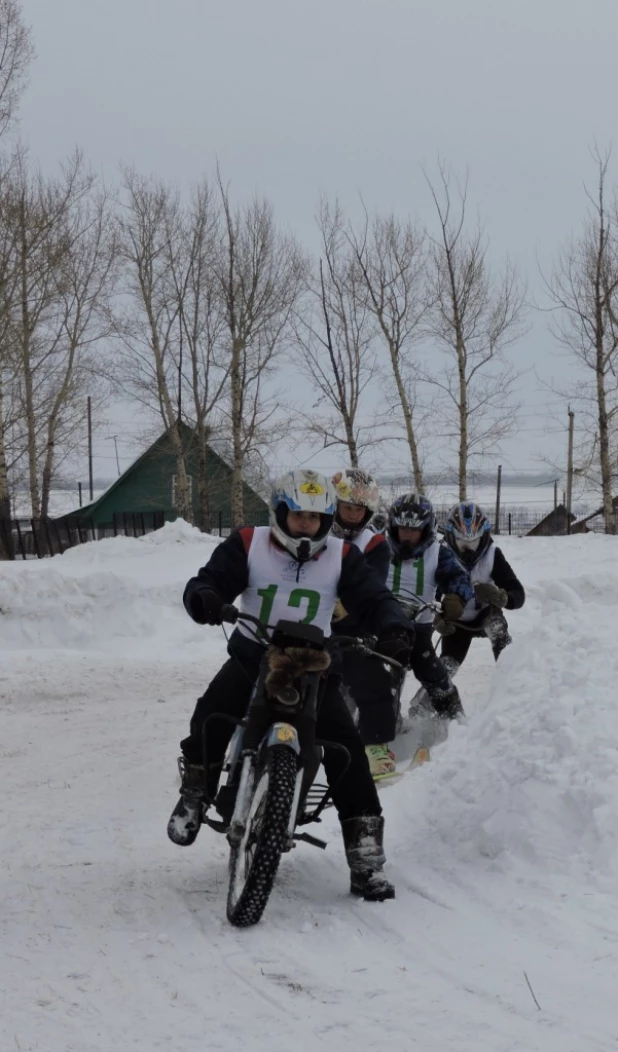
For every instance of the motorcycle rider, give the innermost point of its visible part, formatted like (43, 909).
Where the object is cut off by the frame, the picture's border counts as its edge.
(293, 569)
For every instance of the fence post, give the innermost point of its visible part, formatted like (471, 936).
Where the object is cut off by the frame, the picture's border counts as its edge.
(20, 539)
(115, 524)
(35, 539)
(510, 524)
(6, 537)
(50, 550)
(220, 524)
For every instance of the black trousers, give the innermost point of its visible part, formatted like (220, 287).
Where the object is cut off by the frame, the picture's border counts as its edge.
(375, 688)
(493, 626)
(354, 792)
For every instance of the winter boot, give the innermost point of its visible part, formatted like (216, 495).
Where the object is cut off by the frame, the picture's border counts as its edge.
(363, 839)
(447, 703)
(497, 631)
(381, 762)
(186, 818)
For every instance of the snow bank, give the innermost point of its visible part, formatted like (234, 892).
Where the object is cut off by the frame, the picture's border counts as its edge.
(533, 778)
(116, 594)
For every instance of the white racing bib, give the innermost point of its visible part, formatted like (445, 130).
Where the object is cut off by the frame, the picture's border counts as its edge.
(363, 539)
(416, 577)
(480, 573)
(280, 588)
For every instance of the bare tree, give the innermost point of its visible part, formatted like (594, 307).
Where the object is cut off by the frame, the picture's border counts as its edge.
(16, 54)
(259, 281)
(149, 321)
(392, 260)
(83, 282)
(200, 357)
(474, 318)
(584, 289)
(334, 333)
(43, 227)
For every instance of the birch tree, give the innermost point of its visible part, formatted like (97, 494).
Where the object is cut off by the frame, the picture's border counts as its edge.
(334, 333)
(150, 239)
(392, 260)
(16, 55)
(474, 318)
(584, 290)
(260, 280)
(43, 231)
(199, 354)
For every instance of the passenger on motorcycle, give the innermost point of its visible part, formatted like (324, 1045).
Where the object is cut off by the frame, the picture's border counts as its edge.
(420, 565)
(496, 587)
(293, 569)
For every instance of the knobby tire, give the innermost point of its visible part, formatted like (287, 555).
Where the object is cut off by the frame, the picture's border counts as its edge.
(267, 842)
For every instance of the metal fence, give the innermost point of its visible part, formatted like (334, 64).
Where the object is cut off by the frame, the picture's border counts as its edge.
(39, 538)
(518, 520)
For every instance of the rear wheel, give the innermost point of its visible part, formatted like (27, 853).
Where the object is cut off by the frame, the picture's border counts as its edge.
(255, 860)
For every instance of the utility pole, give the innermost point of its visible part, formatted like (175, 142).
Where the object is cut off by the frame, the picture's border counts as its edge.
(569, 492)
(498, 489)
(555, 494)
(90, 449)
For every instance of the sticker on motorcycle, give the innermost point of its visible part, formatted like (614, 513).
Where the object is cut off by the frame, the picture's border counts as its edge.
(285, 733)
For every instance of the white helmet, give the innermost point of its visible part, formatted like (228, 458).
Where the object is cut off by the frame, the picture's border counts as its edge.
(353, 486)
(302, 491)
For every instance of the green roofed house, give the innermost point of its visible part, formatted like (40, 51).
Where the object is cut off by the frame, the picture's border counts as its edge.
(146, 492)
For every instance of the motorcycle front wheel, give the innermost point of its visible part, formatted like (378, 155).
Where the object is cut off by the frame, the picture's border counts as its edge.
(254, 861)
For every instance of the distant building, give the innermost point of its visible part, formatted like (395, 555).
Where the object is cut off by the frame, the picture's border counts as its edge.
(148, 488)
(555, 524)
(595, 522)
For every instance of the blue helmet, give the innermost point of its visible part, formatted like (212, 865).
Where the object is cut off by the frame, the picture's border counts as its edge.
(468, 532)
(415, 512)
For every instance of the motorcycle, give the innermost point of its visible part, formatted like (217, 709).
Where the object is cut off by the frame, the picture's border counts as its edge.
(273, 758)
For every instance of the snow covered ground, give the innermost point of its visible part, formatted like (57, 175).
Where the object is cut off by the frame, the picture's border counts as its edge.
(503, 850)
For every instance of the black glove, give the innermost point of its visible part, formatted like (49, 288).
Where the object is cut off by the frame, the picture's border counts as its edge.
(488, 592)
(205, 607)
(452, 607)
(396, 643)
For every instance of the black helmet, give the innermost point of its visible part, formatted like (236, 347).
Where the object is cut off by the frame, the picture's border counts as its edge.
(415, 512)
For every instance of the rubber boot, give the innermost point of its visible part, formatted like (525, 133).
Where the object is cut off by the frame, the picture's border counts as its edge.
(363, 838)
(186, 818)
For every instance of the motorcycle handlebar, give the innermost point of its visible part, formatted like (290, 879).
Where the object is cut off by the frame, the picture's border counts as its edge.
(231, 614)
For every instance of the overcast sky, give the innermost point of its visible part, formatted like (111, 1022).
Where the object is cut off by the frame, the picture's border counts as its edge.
(345, 96)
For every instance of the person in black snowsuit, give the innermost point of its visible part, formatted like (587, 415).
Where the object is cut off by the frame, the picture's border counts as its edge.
(420, 568)
(292, 569)
(496, 587)
(373, 686)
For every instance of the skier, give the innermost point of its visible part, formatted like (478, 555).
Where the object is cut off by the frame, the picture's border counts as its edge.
(371, 684)
(420, 566)
(292, 569)
(496, 587)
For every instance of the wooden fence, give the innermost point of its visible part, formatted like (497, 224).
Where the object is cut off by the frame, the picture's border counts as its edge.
(39, 538)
